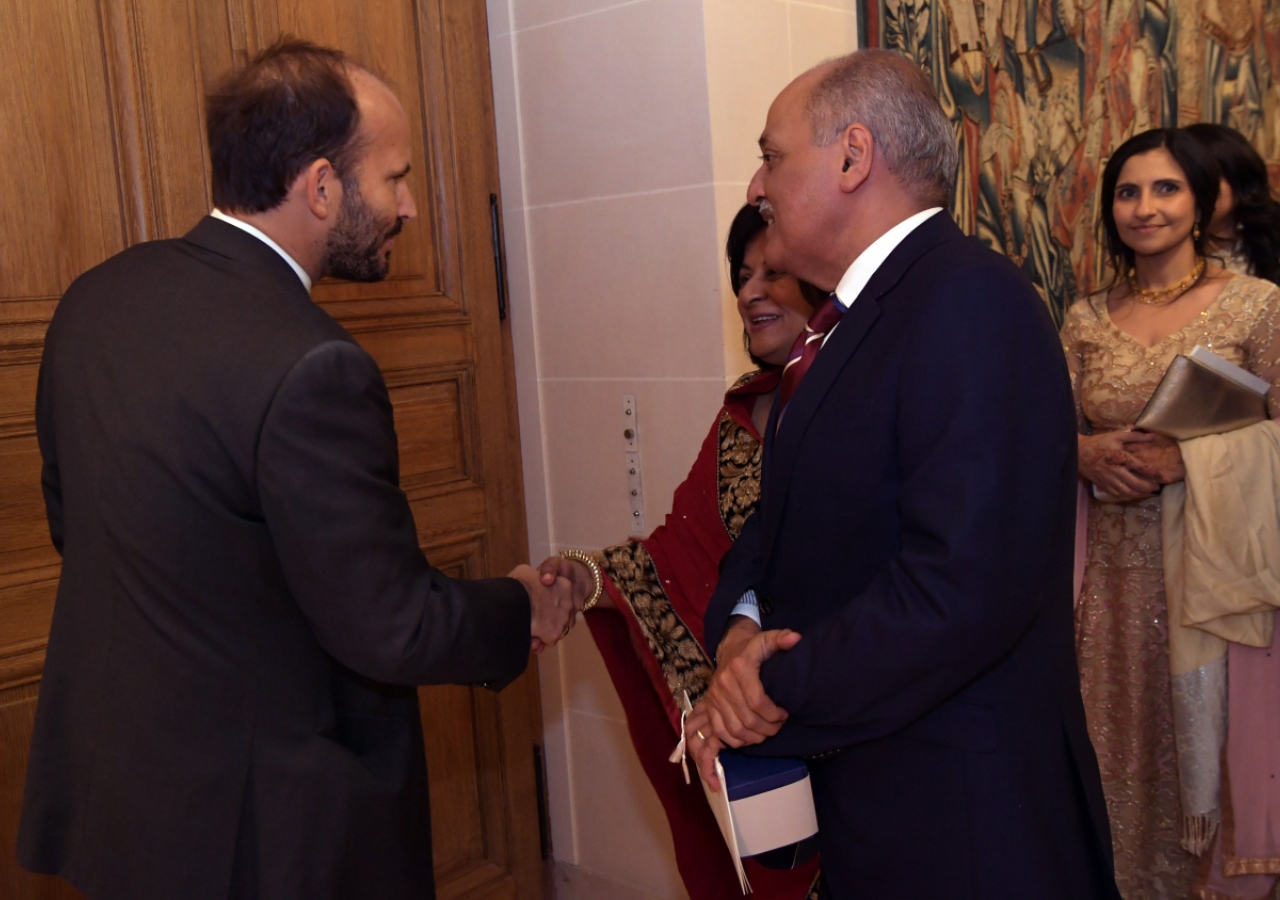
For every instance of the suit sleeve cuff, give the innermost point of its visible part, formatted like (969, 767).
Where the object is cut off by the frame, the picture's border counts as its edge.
(748, 606)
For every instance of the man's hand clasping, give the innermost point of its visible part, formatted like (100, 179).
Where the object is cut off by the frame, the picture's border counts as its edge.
(553, 606)
(735, 711)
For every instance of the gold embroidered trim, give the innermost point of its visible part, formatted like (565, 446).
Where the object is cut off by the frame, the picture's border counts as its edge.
(746, 378)
(1204, 892)
(1264, 866)
(1231, 864)
(683, 663)
(739, 474)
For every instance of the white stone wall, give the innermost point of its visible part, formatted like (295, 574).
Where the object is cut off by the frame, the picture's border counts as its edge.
(627, 136)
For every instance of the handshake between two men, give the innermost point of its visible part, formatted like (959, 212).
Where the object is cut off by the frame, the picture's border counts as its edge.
(735, 711)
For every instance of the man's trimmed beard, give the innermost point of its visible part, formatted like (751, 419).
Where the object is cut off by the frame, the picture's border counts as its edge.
(354, 248)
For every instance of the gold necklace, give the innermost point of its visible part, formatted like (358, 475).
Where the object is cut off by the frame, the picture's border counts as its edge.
(1154, 297)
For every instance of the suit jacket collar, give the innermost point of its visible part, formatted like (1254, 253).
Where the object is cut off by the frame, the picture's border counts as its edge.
(233, 243)
(934, 231)
(782, 443)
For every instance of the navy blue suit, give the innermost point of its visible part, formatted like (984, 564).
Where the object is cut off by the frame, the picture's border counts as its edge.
(916, 527)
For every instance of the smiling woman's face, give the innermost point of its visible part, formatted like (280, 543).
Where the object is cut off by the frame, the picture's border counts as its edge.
(1154, 207)
(773, 309)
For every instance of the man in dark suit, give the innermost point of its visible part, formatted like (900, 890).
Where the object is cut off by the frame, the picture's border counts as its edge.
(911, 560)
(227, 707)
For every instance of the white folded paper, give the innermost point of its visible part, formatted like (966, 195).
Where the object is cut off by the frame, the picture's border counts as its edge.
(720, 805)
(763, 804)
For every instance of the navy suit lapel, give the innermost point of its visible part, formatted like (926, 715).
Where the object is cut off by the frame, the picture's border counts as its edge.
(783, 443)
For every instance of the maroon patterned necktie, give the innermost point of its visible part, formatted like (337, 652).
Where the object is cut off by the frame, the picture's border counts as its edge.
(805, 349)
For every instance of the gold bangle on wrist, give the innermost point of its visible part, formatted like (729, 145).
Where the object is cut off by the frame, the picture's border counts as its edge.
(597, 577)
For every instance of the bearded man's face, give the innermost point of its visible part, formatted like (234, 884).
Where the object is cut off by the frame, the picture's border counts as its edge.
(358, 247)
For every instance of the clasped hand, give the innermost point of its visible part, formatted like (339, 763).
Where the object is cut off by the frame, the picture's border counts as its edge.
(557, 590)
(735, 711)
(1130, 465)
(554, 604)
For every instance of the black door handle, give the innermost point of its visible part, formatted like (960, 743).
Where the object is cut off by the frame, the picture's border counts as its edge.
(498, 267)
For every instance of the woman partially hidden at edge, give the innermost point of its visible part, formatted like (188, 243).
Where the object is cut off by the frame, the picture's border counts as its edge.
(1244, 230)
(648, 621)
(1169, 294)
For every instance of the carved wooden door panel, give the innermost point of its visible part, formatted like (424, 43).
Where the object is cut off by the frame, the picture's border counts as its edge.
(101, 130)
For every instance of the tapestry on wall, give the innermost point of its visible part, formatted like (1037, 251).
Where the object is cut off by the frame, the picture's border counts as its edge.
(1041, 91)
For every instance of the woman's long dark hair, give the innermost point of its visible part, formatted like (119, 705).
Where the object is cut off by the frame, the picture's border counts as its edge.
(747, 225)
(1255, 211)
(1197, 165)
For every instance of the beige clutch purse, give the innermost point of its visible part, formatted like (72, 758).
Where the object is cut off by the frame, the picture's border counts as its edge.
(1201, 393)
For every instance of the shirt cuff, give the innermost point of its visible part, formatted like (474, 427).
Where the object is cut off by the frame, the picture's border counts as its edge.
(748, 606)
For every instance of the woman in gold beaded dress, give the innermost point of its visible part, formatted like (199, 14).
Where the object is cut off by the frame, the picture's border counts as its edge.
(1160, 188)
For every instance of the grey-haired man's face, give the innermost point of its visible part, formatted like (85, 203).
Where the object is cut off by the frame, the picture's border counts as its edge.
(794, 185)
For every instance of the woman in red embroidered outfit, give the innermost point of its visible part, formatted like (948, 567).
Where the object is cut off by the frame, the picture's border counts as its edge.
(648, 623)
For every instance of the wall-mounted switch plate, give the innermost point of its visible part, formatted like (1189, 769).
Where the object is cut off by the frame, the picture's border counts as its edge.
(630, 423)
(635, 482)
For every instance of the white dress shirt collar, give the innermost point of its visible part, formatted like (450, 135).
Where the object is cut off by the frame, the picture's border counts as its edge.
(869, 260)
(260, 235)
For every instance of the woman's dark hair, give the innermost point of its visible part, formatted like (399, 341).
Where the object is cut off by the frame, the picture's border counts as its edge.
(746, 225)
(291, 105)
(1255, 212)
(1197, 165)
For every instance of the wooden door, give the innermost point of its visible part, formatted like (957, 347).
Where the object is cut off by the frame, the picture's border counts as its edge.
(101, 130)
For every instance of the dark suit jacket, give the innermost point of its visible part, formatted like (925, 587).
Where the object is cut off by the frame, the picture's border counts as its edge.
(916, 527)
(227, 707)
